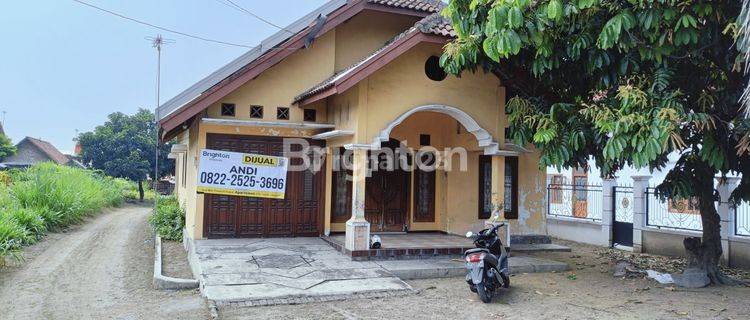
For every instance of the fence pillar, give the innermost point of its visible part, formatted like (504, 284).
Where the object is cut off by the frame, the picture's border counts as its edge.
(608, 207)
(640, 199)
(726, 214)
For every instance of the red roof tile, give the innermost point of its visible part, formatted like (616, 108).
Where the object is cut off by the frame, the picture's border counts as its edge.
(48, 149)
(431, 6)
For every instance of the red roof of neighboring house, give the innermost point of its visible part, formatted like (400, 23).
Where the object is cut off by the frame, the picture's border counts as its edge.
(48, 149)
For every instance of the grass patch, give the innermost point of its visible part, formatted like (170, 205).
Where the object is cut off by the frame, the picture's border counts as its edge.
(49, 197)
(169, 218)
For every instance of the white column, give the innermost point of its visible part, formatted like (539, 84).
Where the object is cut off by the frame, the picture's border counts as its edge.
(726, 214)
(608, 208)
(640, 185)
(357, 228)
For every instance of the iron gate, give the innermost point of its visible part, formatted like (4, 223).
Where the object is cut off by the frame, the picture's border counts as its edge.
(622, 224)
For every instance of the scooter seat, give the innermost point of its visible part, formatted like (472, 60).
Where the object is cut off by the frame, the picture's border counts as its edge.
(470, 251)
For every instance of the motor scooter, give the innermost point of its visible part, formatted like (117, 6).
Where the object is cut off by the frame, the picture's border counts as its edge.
(487, 264)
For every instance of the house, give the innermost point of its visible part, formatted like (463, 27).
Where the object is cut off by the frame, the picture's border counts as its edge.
(357, 77)
(30, 151)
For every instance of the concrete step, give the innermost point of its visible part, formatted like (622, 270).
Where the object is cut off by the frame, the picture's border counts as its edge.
(544, 247)
(529, 239)
(444, 268)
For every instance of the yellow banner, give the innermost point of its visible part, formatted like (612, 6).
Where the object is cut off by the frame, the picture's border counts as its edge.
(246, 193)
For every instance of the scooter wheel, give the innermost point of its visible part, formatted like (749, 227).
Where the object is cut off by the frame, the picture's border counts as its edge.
(473, 288)
(484, 294)
(506, 281)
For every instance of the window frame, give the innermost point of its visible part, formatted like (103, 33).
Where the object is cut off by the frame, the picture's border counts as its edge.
(254, 114)
(283, 111)
(513, 213)
(224, 107)
(431, 175)
(484, 160)
(306, 115)
(337, 174)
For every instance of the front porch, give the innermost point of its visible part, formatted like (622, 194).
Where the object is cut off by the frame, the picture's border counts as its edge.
(426, 245)
(406, 246)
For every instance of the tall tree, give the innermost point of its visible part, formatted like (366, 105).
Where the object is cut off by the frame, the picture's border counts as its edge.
(7, 148)
(743, 44)
(125, 146)
(625, 82)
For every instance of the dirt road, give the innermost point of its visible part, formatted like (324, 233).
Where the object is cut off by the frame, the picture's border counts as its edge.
(589, 291)
(101, 269)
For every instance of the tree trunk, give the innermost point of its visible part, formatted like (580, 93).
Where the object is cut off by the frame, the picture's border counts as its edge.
(140, 189)
(705, 253)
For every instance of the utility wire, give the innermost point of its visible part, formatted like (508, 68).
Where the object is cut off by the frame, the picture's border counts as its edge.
(234, 5)
(163, 28)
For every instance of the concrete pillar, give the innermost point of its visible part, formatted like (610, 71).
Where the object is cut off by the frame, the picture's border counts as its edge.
(640, 185)
(726, 214)
(357, 228)
(608, 208)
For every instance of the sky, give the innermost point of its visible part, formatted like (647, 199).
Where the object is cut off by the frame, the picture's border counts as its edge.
(64, 66)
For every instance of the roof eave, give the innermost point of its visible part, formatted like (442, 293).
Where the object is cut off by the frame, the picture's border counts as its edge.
(266, 60)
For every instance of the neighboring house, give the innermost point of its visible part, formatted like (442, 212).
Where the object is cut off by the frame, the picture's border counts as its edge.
(30, 151)
(359, 76)
(577, 193)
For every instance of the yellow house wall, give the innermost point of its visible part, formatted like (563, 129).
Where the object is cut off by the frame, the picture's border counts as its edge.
(277, 86)
(367, 108)
(402, 85)
(365, 33)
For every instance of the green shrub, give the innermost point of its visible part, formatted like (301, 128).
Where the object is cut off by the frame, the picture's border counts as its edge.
(12, 237)
(29, 219)
(169, 218)
(47, 197)
(64, 195)
(130, 190)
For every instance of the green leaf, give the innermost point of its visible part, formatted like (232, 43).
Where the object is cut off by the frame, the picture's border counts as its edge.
(515, 17)
(554, 9)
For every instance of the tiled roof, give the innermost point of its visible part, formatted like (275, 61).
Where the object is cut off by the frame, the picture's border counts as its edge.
(48, 149)
(436, 24)
(431, 6)
(327, 83)
(432, 24)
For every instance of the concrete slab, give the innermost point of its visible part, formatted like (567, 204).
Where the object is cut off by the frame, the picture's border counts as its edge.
(278, 271)
(538, 247)
(234, 270)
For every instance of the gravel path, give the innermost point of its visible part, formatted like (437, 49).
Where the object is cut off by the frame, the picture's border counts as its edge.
(589, 291)
(101, 269)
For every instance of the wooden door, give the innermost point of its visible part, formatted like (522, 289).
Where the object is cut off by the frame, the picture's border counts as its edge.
(298, 214)
(387, 195)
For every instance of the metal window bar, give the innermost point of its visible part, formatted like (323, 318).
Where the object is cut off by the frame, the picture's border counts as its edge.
(659, 216)
(575, 201)
(742, 219)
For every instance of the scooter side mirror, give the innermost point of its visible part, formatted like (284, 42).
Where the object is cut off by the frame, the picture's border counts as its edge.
(469, 234)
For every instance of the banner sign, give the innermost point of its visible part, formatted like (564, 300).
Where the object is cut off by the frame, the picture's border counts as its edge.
(242, 174)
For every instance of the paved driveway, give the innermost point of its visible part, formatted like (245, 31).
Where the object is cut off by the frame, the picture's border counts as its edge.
(268, 271)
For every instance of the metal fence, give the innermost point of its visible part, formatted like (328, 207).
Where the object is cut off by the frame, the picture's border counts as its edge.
(742, 219)
(672, 214)
(575, 201)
